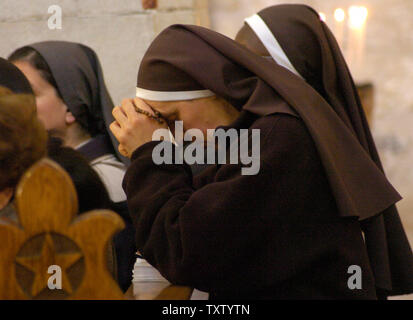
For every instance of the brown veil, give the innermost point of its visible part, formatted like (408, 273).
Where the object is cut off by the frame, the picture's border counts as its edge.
(315, 54)
(195, 58)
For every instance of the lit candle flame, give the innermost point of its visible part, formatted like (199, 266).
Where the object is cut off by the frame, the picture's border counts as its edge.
(323, 16)
(358, 16)
(339, 15)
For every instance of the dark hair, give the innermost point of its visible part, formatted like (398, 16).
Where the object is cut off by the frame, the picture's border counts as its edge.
(12, 78)
(35, 59)
(91, 191)
(22, 136)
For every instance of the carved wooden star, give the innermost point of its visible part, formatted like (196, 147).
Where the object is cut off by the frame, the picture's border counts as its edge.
(40, 264)
(46, 202)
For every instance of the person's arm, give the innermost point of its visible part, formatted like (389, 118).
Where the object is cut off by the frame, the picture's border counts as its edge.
(204, 238)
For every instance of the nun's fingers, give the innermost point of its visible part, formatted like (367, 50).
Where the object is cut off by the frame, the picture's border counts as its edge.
(119, 135)
(129, 109)
(136, 130)
(116, 130)
(120, 116)
(144, 106)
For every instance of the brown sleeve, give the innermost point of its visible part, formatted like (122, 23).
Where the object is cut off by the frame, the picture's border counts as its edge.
(198, 237)
(240, 234)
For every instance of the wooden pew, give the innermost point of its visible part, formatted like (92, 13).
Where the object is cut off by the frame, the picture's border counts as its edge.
(160, 292)
(52, 245)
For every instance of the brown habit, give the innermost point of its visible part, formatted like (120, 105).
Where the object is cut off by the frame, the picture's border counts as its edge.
(314, 52)
(293, 230)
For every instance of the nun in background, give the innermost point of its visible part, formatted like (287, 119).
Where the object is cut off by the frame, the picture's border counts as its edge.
(293, 230)
(295, 39)
(74, 105)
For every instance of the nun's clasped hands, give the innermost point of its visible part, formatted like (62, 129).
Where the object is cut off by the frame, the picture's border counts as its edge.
(131, 128)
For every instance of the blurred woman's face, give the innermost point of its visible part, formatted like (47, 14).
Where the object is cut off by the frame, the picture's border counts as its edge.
(51, 110)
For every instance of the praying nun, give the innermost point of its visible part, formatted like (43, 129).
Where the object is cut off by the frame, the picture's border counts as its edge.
(290, 231)
(287, 34)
